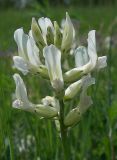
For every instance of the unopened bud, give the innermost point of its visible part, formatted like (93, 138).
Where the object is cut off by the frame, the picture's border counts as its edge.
(72, 75)
(46, 111)
(37, 35)
(73, 89)
(73, 117)
(57, 36)
(50, 36)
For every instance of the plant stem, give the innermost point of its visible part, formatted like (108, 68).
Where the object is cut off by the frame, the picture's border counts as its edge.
(63, 131)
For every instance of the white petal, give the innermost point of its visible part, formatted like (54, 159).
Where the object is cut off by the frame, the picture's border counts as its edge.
(81, 56)
(92, 49)
(21, 101)
(44, 23)
(21, 64)
(49, 24)
(63, 23)
(33, 52)
(85, 100)
(53, 62)
(102, 62)
(85, 103)
(87, 81)
(21, 39)
(91, 53)
(21, 92)
(17, 104)
(68, 34)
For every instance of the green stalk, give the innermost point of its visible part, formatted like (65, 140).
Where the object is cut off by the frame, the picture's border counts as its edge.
(63, 131)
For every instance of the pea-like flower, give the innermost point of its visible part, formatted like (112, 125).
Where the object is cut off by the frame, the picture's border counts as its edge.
(28, 59)
(28, 52)
(86, 60)
(22, 101)
(53, 63)
(46, 50)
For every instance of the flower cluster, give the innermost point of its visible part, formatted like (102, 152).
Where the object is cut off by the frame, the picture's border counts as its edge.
(44, 51)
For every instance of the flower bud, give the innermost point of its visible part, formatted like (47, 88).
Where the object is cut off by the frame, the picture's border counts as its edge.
(72, 75)
(73, 117)
(46, 111)
(72, 90)
(57, 36)
(50, 36)
(52, 57)
(37, 35)
(42, 70)
(51, 101)
(68, 34)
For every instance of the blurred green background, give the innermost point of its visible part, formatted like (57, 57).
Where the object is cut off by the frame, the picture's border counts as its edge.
(24, 136)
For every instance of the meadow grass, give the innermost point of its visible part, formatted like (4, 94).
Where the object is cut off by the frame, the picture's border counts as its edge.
(23, 136)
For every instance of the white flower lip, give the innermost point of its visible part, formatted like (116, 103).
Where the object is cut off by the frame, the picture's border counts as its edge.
(86, 60)
(53, 63)
(102, 62)
(28, 52)
(21, 39)
(85, 100)
(88, 57)
(21, 101)
(21, 64)
(81, 56)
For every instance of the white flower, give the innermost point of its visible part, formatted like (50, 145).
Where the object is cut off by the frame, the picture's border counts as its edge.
(28, 58)
(86, 60)
(21, 101)
(53, 63)
(68, 34)
(44, 23)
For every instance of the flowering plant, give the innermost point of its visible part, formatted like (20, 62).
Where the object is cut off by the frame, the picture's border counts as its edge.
(44, 51)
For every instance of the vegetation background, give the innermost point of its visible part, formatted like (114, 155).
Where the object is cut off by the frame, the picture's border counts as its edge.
(24, 136)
